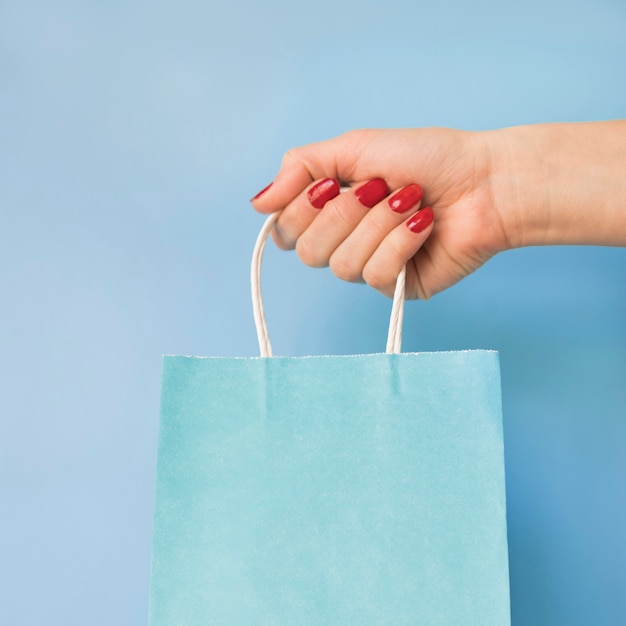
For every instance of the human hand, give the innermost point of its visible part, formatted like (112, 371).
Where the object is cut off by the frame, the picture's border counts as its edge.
(372, 238)
(489, 191)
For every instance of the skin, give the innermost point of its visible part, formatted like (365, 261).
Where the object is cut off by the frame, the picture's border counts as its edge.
(491, 191)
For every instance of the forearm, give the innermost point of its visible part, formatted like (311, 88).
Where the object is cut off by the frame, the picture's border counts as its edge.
(560, 183)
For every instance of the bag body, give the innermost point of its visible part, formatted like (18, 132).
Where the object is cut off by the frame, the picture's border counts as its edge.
(331, 490)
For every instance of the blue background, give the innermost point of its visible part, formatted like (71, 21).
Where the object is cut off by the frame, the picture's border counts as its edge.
(131, 137)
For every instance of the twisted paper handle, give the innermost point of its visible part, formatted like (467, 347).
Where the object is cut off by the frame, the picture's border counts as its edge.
(394, 336)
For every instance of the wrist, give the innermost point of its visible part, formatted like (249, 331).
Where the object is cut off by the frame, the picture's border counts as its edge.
(560, 183)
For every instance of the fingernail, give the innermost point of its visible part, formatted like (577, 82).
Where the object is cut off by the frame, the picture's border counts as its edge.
(261, 192)
(421, 220)
(372, 192)
(324, 191)
(406, 198)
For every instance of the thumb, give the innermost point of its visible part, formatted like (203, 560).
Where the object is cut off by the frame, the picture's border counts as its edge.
(301, 166)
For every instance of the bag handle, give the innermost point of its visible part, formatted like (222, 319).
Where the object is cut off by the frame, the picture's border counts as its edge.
(394, 336)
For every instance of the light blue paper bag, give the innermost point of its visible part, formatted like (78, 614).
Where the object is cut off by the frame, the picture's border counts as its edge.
(365, 490)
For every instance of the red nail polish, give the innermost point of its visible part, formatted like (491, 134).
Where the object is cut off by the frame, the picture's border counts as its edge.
(406, 198)
(421, 220)
(262, 192)
(322, 192)
(372, 192)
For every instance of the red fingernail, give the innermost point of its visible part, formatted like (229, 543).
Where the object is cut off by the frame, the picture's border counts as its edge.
(324, 191)
(372, 192)
(421, 220)
(406, 198)
(262, 192)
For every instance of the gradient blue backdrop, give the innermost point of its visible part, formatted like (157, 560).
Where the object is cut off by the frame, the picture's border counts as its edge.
(132, 135)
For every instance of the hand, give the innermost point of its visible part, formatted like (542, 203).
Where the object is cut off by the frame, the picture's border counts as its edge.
(371, 243)
(489, 191)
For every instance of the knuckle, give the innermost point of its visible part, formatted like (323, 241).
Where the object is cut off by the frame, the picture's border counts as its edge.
(309, 254)
(356, 134)
(282, 238)
(281, 242)
(345, 269)
(293, 155)
(397, 246)
(375, 277)
(342, 210)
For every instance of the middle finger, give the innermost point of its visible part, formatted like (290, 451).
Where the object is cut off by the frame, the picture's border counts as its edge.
(338, 218)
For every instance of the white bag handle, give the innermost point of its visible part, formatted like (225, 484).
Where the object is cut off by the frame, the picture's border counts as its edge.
(394, 337)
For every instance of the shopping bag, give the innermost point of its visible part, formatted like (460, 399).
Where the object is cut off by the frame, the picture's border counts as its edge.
(363, 489)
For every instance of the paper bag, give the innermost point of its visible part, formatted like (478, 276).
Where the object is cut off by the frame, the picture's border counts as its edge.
(365, 490)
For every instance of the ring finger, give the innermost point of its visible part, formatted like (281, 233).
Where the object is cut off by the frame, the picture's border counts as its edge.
(350, 257)
(338, 218)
